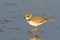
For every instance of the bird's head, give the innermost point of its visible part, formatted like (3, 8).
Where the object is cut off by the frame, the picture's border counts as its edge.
(28, 16)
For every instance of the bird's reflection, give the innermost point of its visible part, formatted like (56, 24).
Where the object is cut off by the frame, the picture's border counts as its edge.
(35, 37)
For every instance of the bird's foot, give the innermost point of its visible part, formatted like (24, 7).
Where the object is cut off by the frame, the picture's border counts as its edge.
(32, 31)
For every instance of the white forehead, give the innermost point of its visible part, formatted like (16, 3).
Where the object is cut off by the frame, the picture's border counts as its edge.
(26, 18)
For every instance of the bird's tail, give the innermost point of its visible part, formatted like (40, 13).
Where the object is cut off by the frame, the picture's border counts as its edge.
(50, 18)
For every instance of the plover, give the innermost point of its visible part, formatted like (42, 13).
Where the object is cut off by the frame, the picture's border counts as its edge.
(36, 20)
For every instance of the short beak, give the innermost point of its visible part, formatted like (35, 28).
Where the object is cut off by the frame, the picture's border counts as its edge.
(24, 17)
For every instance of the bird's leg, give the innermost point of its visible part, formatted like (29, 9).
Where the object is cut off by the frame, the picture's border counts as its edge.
(35, 29)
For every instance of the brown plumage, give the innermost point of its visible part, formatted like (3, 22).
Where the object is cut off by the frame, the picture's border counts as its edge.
(36, 20)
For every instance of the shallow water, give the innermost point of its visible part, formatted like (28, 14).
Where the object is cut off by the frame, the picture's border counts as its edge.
(14, 27)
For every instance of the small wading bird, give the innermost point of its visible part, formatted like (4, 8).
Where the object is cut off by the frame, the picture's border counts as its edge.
(36, 20)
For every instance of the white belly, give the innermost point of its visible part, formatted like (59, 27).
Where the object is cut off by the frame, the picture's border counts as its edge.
(35, 24)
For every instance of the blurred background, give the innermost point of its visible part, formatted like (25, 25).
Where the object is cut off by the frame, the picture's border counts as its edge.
(14, 27)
